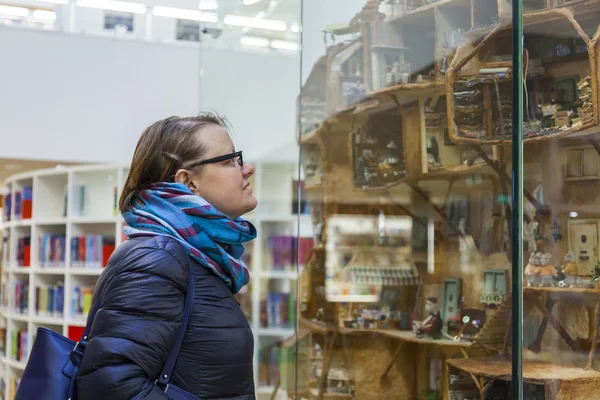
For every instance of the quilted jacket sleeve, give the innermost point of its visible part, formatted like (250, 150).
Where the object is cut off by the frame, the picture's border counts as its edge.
(140, 314)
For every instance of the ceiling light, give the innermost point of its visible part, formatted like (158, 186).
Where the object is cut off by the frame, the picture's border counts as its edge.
(254, 41)
(250, 2)
(183, 13)
(208, 5)
(284, 45)
(573, 214)
(14, 11)
(295, 27)
(255, 23)
(113, 5)
(45, 15)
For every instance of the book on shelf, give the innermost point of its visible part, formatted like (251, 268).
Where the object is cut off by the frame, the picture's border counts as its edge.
(20, 291)
(24, 251)
(3, 341)
(269, 358)
(81, 300)
(278, 310)
(91, 251)
(7, 206)
(5, 294)
(14, 384)
(19, 346)
(78, 207)
(23, 203)
(49, 299)
(5, 248)
(286, 250)
(52, 250)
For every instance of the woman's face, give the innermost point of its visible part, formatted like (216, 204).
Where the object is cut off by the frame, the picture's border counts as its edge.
(223, 184)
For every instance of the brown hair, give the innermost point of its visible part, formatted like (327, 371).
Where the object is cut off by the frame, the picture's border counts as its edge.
(162, 149)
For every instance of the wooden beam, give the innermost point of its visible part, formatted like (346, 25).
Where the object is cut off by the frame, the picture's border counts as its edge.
(594, 143)
(326, 365)
(542, 209)
(392, 361)
(555, 324)
(425, 197)
(276, 389)
(507, 336)
(594, 336)
(536, 346)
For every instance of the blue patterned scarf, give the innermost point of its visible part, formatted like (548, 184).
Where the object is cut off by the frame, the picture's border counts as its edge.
(210, 237)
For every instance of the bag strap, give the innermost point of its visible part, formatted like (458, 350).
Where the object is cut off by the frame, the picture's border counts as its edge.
(165, 375)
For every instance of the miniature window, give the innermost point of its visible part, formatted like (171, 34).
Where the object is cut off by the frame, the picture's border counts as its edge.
(581, 164)
(119, 22)
(494, 287)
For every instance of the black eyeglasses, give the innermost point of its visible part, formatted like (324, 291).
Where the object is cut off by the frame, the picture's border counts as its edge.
(219, 159)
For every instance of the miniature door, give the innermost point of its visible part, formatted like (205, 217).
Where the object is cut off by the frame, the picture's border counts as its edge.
(451, 304)
(583, 239)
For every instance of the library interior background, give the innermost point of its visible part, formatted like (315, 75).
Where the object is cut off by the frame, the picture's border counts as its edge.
(381, 134)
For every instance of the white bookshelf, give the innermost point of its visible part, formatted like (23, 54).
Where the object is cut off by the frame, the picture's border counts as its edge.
(54, 211)
(272, 185)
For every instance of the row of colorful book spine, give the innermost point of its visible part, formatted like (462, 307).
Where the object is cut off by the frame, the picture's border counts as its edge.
(20, 340)
(50, 300)
(81, 300)
(52, 250)
(286, 250)
(24, 251)
(91, 250)
(20, 291)
(278, 310)
(23, 203)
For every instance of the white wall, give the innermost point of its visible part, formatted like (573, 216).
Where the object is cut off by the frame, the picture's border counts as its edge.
(76, 98)
(257, 93)
(72, 97)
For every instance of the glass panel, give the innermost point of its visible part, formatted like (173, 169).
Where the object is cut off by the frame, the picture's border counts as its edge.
(560, 230)
(404, 127)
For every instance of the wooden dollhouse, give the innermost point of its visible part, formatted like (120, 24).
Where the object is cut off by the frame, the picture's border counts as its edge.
(427, 144)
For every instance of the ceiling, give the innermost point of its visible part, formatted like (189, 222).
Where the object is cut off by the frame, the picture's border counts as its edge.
(281, 10)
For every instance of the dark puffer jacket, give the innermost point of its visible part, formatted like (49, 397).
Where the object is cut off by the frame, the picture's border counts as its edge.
(144, 292)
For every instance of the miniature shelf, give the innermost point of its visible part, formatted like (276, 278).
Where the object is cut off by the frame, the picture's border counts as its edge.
(408, 336)
(314, 392)
(562, 290)
(469, 62)
(415, 90)
(460, 171)
(534, 371)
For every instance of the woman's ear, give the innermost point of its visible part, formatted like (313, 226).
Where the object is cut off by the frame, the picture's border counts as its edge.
(183, 176)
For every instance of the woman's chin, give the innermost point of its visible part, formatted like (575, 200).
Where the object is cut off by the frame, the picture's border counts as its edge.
(251, 203)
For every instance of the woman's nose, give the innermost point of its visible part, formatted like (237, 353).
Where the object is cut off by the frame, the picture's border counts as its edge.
(247, 170)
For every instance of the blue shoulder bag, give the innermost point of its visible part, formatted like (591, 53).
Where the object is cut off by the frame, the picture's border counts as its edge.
(53, 365)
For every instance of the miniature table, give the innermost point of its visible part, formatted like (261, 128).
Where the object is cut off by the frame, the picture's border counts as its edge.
(559, 382)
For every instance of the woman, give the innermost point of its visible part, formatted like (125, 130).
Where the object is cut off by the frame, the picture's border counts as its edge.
(183, 198)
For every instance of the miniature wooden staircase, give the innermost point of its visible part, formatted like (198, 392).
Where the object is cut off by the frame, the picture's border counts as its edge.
(495, 333)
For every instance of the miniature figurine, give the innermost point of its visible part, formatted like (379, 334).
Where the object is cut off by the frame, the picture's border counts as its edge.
(547, 271)
(532, 270)
(571, 269)
(432, 325)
